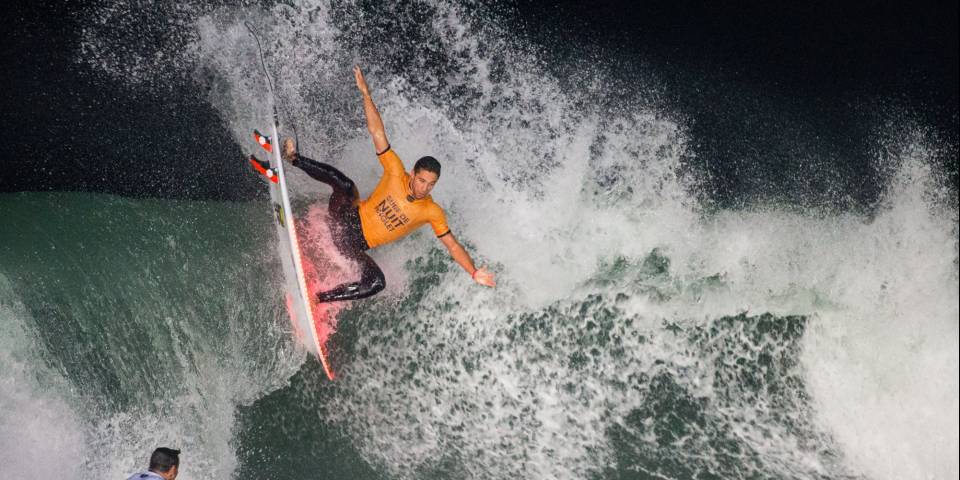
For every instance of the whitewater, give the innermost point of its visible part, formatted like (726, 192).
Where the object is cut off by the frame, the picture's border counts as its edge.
(636, 332)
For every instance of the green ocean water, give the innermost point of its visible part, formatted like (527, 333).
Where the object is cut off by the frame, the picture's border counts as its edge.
(164, 314)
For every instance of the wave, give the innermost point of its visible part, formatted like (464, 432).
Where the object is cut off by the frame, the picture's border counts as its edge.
(634, 331)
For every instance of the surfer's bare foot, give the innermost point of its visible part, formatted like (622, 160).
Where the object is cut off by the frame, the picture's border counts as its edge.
(288, 150)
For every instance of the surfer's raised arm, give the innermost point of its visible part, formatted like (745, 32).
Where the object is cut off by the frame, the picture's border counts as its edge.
(374, 122)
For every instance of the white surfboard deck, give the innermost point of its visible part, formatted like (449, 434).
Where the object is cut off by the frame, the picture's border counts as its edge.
(303, 311)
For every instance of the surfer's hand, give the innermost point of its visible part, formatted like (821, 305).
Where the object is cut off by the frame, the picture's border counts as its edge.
(484, 277)
(361, 82)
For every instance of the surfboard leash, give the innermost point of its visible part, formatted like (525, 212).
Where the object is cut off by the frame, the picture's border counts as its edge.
(273, 94)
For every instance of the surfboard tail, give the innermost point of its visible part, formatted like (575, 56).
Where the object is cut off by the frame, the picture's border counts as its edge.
(319, 320)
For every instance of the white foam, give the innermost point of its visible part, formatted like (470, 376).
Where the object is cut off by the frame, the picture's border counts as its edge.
(884, 363)
(41, 434)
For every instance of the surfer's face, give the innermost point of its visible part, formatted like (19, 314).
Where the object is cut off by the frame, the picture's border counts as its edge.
(172, 473)
(422, 182)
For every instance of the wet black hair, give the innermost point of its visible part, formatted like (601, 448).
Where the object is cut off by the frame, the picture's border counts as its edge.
(427, 163)
(163, 459)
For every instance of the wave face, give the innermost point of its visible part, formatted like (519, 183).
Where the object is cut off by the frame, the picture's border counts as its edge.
(134, 322)
(635, 332)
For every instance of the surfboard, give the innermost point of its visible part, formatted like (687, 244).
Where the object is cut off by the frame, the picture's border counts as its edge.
(309, 321)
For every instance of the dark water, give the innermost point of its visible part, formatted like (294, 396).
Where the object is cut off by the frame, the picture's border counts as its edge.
(726, 242)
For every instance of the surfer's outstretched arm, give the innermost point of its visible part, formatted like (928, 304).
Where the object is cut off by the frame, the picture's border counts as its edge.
(460, 255)
(374, 122)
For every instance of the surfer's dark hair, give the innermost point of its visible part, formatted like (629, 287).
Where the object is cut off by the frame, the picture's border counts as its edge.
(163, 459)
(427, 163)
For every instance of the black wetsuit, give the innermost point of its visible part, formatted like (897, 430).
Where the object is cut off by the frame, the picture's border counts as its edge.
(344, 222)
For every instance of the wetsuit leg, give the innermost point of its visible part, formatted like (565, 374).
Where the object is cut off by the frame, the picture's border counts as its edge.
(371, 283)
(348, 236)
(344, 190)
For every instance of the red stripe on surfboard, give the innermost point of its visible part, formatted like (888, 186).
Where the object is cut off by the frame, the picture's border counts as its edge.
(315, 320)
(321, 349)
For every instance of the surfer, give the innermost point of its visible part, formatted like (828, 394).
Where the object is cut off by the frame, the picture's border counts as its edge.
(399, 204)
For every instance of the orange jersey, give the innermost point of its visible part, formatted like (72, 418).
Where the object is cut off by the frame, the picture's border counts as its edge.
(390, 211)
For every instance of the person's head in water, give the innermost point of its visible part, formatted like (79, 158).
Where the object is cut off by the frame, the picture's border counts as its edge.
(426, 172)
(165, 462)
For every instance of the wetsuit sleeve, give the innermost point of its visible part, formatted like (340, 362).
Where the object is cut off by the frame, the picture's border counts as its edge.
(391, 162)
(438, 221)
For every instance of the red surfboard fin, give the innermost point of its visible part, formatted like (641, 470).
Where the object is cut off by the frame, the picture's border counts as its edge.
(264, 169)
(263, 141)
